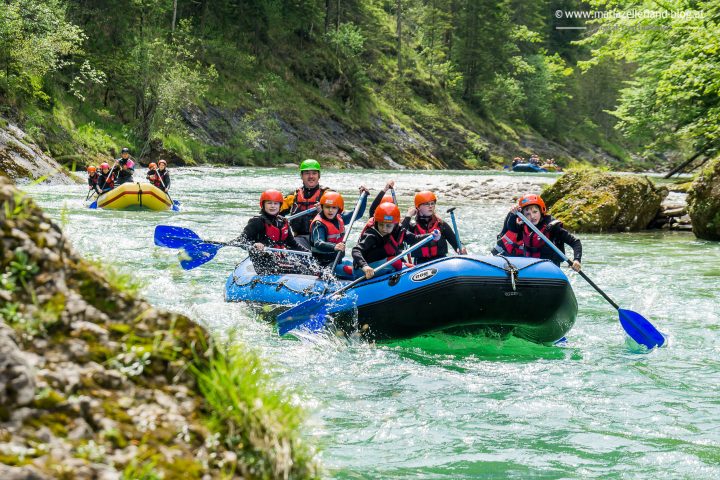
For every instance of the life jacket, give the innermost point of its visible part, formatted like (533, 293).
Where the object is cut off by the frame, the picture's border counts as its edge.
(370, 224)
(277, 235)
(301, 203)
(109, 181)
(513, 245)
(532, 243)
(393, 246)
(154, 177)
(334, 234)
(94, 180)
(430, 250)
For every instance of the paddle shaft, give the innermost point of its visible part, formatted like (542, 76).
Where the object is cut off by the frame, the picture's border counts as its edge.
(266, 249)
(392, 192)
(377, 269)
(349, 228)
(301, 214)
(165, 189)
(564, 257)
(108, 175)
(457, 232)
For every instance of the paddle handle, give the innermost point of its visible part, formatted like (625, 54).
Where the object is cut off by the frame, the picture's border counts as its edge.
(457, 232)
(301, 214)
(377, 269)
(392, 192)
(347, 230)
(564, 257)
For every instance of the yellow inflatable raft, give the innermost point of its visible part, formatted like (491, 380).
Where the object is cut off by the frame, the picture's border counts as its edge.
(135, 196)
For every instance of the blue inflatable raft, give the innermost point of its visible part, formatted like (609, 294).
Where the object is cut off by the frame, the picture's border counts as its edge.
(527, 297)
(528, 167)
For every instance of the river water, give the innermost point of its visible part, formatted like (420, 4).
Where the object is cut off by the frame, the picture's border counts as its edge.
(444, 407)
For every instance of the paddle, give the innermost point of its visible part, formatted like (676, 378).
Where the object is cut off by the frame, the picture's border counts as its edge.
(198, 250)
(637, 327)
(347, 230)
(451, 211)
(94, 204)
(175, 203)
(312, 311)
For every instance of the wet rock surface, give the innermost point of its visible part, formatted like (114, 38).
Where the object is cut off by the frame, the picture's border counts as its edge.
(591, 201)
(704, 202)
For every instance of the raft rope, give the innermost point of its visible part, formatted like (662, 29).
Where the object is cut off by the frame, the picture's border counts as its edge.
(140, 193)
(509, 268)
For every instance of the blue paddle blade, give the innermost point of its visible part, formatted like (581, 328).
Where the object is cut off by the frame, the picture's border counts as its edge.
(176, 206)
(175, 237)
(198, 254)
(93, 205)
(305, 312)
(640, 329)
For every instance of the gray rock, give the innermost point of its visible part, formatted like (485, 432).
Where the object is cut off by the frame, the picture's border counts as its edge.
(704, 202)
(20, 473)
(17, 383)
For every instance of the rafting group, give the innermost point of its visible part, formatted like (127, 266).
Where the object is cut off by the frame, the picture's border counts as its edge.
(534, 164)
(116, 187)
(319, 225)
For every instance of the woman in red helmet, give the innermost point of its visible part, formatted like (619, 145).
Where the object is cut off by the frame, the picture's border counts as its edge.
(107, 178)
(269, 230)
(421, 220)
(152, 175)
(522, 241)
(384, 240)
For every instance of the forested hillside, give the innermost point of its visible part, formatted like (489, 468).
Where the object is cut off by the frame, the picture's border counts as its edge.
(422, 83)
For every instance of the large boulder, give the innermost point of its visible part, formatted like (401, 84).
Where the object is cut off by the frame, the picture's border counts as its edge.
(592, 201)
(704, 202)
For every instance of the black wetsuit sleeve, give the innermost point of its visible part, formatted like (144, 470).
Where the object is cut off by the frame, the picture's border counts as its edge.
(449, 235)
(318, 235)
(366, 243)
(511, 223)
(562, 236)
(166, 179)
(377, 202)
(252, 233)
(406, 223)
(412, 239)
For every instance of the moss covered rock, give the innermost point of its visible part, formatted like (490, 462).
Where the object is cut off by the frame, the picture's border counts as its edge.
(592, 201)
(95, 382)
(704, 202)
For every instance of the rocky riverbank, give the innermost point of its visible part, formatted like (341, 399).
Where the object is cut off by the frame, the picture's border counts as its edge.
(97, 384)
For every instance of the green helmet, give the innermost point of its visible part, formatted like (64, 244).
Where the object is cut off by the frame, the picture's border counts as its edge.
(310, 164)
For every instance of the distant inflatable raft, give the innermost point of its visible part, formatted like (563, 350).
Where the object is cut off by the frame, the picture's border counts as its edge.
(135, 196)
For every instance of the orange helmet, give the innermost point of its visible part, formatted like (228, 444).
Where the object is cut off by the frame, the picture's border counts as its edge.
(387, 199)
(92, 169)
(152, 166)
(424, 197)
(333, 199)
(532, 199)
(271, 196)
(387, 212)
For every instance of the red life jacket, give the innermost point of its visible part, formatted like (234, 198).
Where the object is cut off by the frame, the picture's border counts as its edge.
(532, 243)
(430, 250)
(334, 234)
(301, 203)
(370, 224)
(109, 181)
(156, 179)
(277, 236)
(393, 246)
(513, 245)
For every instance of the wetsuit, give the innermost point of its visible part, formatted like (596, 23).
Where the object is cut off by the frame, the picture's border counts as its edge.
(373, 247)
(94, 182)
(272, 231)
(302, 199)
(165, 177)
(125, 175)
(533, 246)
(423, 225)
(107, 180)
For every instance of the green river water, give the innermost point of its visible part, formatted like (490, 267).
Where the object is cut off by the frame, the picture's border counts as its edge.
(444, 407)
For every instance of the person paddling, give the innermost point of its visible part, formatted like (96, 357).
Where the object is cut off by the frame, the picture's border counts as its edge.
(327, 229)
(382, 197)
(422, 220)
(152, 175)
(125, 168)
(164, 175)
(525, 242)
(93, 179)
(269, 229)
(107, 177)
(384, 240)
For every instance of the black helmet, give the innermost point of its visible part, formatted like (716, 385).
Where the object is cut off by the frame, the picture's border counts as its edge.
(125, 150)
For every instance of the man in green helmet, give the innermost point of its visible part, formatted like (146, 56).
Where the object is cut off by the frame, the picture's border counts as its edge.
(304, 198)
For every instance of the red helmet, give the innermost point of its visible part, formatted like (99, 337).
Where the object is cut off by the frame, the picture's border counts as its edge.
(162, 160)
(424, 197)
(104, 165)
(271, 196)
(532, 199)
(333, 199)
(152, 166)
(92, 169)
(387, 212)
